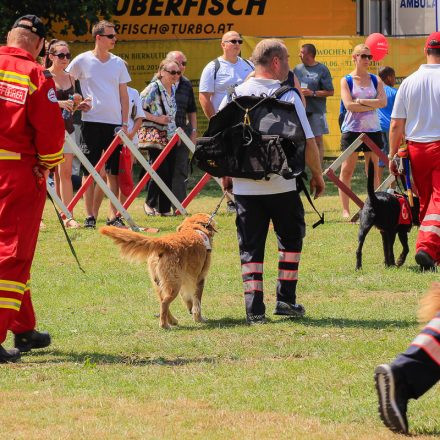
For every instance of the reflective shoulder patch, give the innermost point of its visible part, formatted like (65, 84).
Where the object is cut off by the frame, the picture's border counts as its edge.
(13, 92)
(51, 95)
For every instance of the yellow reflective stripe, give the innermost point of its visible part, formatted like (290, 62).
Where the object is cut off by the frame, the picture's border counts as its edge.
(51, 156)
(17, 78)
(10, 303)
(12, 286)
(9, 155)
(428, 344)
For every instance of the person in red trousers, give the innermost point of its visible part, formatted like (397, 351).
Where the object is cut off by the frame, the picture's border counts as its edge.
(415, 116)
(31, 140)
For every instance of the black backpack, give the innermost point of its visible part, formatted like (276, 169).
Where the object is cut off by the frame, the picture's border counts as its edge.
(252, 137)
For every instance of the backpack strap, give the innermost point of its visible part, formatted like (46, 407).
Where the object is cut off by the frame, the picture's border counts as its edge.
(374, 80)
(216, 68)
(248, 63)
(303, 187)
(283, 90)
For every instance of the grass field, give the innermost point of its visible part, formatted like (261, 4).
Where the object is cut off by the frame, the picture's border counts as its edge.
(111, 373)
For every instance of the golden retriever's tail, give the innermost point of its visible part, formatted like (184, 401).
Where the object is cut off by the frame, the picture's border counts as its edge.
(134, 246)
(430, 304)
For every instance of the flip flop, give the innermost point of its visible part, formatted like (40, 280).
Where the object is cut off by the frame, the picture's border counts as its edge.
(71, 224)
(149, 210)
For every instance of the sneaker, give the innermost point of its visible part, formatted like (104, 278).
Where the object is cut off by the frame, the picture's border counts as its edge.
(255, 319)
(11, 355)
(116, 222)
(288, 309)
(393, 399)
(230, 207)
(424, 260)
(33, 339)
(90, 222)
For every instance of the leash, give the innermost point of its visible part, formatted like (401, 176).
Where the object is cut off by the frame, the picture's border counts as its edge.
(214, 213)
(66, 234)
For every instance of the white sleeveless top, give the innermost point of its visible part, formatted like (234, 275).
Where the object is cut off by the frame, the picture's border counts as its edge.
(362, 122)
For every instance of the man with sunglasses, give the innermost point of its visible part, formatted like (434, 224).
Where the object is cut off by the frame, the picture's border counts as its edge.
(221, 76)
(186, 118)
(103, 77)
(31, 140)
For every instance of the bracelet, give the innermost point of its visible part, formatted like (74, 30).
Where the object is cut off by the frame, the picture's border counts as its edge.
(391, 156)
(125, 124)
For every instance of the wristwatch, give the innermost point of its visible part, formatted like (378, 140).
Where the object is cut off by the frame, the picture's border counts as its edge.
(125, 124)
(391, 156)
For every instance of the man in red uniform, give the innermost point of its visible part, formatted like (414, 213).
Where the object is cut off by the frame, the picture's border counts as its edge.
(415, 116)
(31, 139)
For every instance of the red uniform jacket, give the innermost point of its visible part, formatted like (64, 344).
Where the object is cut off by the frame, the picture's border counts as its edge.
(30, 117)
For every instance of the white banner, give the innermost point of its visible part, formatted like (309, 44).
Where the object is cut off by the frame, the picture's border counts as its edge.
(415, 17)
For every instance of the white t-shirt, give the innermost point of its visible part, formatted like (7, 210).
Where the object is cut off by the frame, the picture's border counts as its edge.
(418, 101)
(228, 76)
(276, 184)
(101, 82)
(135, 110)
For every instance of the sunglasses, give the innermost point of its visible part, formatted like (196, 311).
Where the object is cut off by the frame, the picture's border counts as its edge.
(364, 56)
(173, 72)
(234, 41)
(109, 36)
(61, 56)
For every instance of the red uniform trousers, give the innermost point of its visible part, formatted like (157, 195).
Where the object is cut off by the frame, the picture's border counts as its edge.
(425, 166)
(22, 200)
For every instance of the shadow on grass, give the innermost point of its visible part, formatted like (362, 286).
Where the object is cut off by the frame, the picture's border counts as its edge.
(360, 323)
(91, 359)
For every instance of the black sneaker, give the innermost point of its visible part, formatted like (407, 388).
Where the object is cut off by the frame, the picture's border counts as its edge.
(288, 309)
(116, 222)
(255, 319)
(425, 261)
(33, 339)
(11, 355)
(90, 222)
(230, 207)
(393, 399)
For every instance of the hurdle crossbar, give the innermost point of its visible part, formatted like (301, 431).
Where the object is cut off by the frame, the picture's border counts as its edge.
(151, 171)
(94, 174)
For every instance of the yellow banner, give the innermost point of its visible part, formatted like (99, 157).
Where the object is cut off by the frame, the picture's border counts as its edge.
(143, 58)
(200, 19)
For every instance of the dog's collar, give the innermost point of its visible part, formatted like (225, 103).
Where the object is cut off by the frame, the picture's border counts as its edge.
(206, 240)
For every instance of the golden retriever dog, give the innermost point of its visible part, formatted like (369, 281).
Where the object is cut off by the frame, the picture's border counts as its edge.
(430, 304)
(177, 262)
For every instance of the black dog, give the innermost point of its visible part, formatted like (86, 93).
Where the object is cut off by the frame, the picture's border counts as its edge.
(382, 210)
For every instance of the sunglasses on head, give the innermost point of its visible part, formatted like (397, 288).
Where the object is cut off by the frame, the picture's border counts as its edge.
(173, 72)
(234, 41)
(61, 56)
(364, 56)
(109, 36)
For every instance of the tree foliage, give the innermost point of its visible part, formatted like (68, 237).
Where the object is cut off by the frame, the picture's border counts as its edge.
(73, 15)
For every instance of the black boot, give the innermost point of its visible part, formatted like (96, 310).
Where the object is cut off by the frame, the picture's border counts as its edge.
(33, 339)
(12, 355)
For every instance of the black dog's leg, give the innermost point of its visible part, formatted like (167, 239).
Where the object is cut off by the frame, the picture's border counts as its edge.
(388, 239)
(392, 239)
(363, 231)
(403, 237)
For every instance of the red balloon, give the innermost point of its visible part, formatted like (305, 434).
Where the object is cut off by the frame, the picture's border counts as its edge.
(378, 45)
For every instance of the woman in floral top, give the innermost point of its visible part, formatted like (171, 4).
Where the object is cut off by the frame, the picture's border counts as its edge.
(159, 103)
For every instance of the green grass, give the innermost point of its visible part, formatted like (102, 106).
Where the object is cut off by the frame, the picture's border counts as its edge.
(111, 373)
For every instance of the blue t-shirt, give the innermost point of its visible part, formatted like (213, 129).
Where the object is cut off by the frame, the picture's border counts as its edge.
(385, 113)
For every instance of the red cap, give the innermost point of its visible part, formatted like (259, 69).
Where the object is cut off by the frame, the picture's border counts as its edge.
(433, 41)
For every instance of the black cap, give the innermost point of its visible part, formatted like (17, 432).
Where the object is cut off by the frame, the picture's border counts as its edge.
(37, 26)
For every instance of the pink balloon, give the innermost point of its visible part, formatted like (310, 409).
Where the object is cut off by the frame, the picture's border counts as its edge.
(378, 45)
